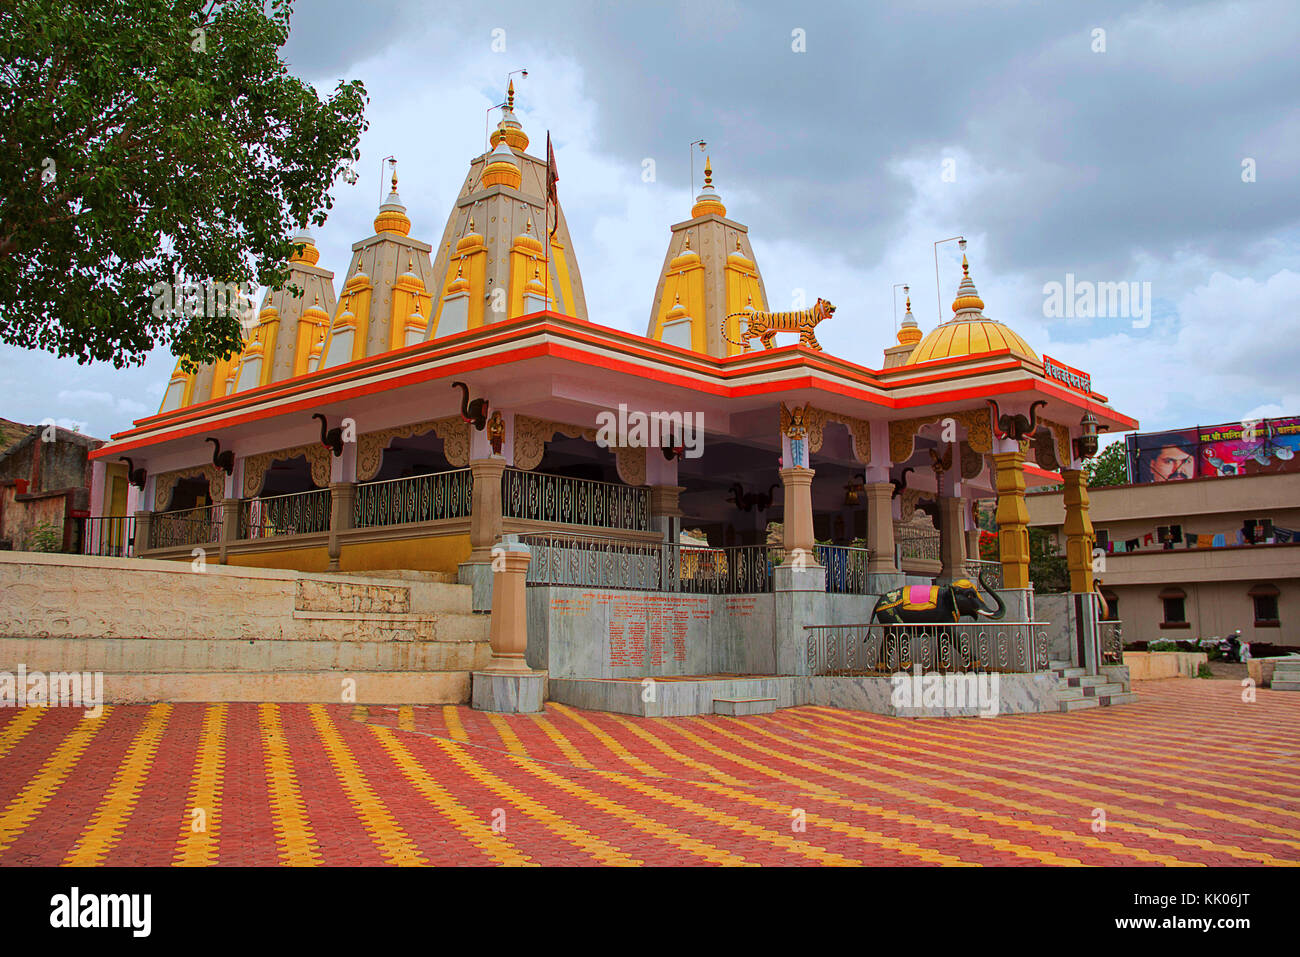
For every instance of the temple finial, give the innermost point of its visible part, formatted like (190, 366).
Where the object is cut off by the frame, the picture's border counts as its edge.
(708, 172)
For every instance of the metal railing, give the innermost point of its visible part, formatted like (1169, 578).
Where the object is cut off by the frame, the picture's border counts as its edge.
(185, 526)
(738, 570)
(846, 568)
(916, 544)
(992, 570)
(108, 536)
(586, 561)
(1112, 642)
(298, 513)
(571, 501)
(876, 649)
(418, 498)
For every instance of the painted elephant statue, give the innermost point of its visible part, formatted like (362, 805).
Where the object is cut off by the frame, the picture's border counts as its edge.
(936, 604)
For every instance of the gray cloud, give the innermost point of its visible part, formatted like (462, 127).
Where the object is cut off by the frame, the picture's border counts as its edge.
(1120, 165)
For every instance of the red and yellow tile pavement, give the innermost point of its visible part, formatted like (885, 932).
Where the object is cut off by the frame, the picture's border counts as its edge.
(1189, 775)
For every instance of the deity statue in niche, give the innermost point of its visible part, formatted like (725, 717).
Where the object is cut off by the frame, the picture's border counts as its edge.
(794, 429)
(496, 429)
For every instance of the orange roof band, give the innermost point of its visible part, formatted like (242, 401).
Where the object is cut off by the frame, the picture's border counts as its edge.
(567, 338)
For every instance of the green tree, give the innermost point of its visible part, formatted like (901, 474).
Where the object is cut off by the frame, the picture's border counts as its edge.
(1108, 467)
(148, 141)
(1047, 570)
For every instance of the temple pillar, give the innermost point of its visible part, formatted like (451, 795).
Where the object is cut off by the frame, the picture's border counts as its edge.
(143, 521)
(507, 684)
(343, 499)
(952, 539)
(883, 572)
(1079, 537)
(797, 522)
(229, 527)
(485, 518)
(1012, 518)
(665, 511)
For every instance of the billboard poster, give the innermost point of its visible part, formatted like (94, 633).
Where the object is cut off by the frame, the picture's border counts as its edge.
(1265, 447)
(1167, 456)
(1236, 449)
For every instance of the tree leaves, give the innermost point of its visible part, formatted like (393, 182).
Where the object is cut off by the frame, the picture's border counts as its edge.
(170, 164)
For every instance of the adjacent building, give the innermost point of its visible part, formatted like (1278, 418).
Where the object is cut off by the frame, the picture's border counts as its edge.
(1202, 544)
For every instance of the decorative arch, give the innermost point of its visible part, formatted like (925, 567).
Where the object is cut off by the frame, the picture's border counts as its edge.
(165, 483)
(977, 422)
(453, 430)
(860, 429)
(256, 466)
(531, 436)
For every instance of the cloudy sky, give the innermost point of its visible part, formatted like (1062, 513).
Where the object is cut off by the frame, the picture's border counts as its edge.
(850, 137)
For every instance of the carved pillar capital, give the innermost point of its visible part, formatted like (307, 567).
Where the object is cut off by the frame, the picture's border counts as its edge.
(1079, 536)
(1012, 517)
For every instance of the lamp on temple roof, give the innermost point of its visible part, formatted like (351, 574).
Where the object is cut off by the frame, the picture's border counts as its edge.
(1085, 446)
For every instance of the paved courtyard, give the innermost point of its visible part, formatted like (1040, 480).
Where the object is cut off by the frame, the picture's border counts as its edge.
(1188, 775)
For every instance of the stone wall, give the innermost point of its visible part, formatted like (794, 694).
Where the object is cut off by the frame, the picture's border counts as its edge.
(77, 596)
(581, 632)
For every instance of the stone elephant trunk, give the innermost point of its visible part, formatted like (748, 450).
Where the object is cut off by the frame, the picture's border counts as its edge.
(999, 609)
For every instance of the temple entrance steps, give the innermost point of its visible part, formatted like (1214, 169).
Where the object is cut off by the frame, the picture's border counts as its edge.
(740, 707)
(1286, 675)
(680, 696)
(1076, 690)
(159, 631)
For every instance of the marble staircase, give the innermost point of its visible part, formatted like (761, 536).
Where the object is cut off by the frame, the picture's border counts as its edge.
(1286, 675)
(156, 631)
(1076, 690)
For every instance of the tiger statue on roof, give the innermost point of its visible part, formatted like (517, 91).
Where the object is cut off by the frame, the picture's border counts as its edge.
(765, 325)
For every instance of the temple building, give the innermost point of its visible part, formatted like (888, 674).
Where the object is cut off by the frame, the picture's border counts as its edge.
(451, 399)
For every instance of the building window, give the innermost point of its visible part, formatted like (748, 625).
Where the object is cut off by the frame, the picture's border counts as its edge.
(1112, 605)
(1175, 608)
(1264, 598)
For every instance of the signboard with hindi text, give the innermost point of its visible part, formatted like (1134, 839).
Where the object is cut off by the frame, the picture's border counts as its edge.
(1252, 447)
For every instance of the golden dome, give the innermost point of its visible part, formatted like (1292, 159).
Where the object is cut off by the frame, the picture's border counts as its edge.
(969, 332)
(310, 254)
(964, 337)
(501, 168)
(909, 332)
(392, 215)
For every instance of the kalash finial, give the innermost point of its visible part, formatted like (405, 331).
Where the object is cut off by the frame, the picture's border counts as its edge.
(968, 302)
(909, 332)
(393, 164)
(510, 95)
(708, 173)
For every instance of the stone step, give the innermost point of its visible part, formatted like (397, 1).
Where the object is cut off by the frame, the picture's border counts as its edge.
(1283, 684)
(1054, 664)
(1122, 697)
(738, 707)
(1089, 691)
(194, 655)
(1078, 704)
(1083, 681)
(311, 687)
(1070, 672)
